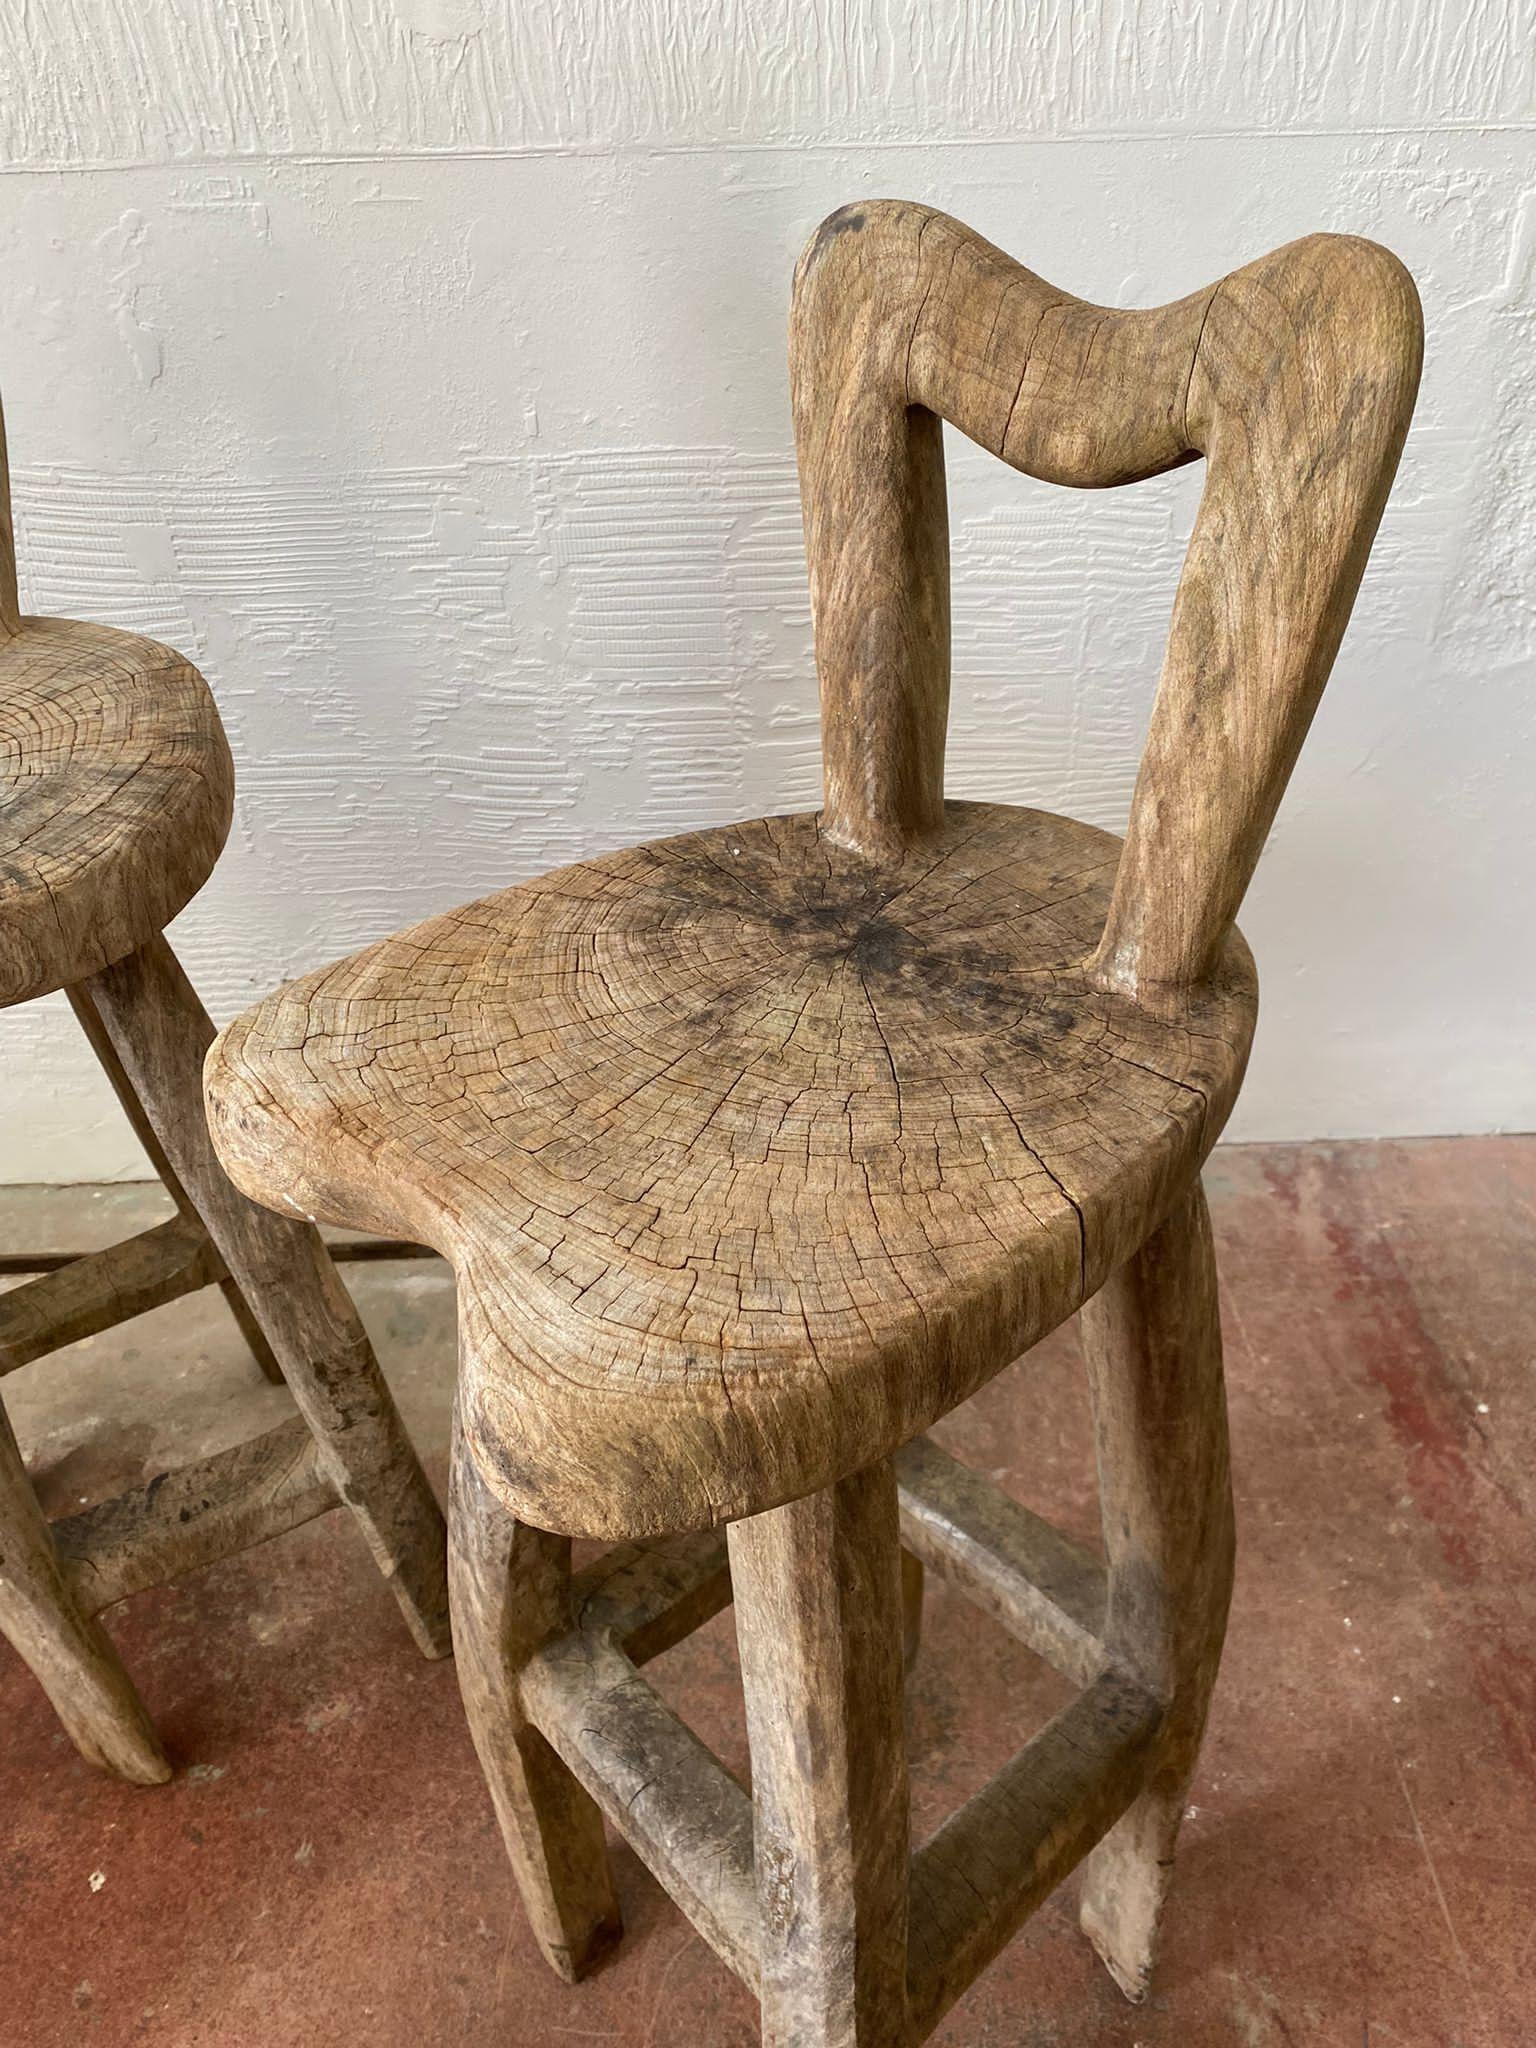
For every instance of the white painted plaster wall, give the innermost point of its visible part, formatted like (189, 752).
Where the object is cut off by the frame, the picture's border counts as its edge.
(417, 366)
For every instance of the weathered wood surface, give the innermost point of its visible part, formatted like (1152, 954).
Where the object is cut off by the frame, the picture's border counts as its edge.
(992, 1863)
(757, 1150)
(1029, 1577)
(182, 1520)
(144, 1129)
(101, 1289)
(1294, 376)
(751, 1157)
(675, 1804)
(648, 1596)
(510, 1589)
(819, 1624)
(1152, 1340)
(116, 789)
(769, 1144)
(115, 798)
(67, 1649)
(159, 1032)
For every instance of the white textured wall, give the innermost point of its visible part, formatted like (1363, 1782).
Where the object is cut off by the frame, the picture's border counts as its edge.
(417, 366)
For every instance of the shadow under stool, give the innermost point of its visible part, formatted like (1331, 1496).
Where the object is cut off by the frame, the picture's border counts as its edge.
(115, 796)
(758, 1150)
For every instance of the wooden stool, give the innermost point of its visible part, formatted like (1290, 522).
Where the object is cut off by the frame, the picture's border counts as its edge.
(115, 795)
(757, 1150)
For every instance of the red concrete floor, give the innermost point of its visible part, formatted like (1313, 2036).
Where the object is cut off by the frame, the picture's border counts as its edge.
(1359, 1862)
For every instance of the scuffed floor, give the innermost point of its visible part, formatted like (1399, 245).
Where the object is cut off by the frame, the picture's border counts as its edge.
(1359, 1863)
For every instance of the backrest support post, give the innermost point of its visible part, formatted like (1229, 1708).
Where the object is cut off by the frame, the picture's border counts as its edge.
(1295, 377)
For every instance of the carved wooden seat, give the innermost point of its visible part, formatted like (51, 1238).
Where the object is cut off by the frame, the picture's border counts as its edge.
(115, 795)
(757, 1150)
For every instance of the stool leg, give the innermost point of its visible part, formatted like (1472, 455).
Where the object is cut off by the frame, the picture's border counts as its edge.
(510, 1587)
(1153, 1345)
(819, 1623)
(68, 1651)
(147, 1010)
(106, 1055)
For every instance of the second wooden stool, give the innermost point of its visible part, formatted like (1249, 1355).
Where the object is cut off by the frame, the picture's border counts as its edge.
(115, 797)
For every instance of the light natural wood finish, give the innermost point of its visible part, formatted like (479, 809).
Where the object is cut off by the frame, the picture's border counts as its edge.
(510, 1590)
(101, 1289)
(1153, 1344)
(671, 1800)
(68, 1651)
(1008, 1847)
(115, 796)
(819, 1624)
(757, 1150)
(752, 1157)
(181, 1520)
(1295, 377)
(770, 1144)
(1015, 1567)
(100, 1042)
(160, 1032)
(648, 1596)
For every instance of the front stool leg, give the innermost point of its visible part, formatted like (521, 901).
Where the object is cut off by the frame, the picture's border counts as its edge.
(148, 1011)
(510, 1589)
(67, 1650)
(1153, 1345)
(818, 1588)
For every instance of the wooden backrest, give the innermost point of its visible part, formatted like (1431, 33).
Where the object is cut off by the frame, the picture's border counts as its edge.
(1295, 377)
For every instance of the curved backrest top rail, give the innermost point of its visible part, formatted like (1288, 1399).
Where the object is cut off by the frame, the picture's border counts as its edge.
(1295, 377)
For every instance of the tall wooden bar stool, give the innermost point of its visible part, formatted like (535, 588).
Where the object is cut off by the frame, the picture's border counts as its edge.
(757, 1150)
(115, 796)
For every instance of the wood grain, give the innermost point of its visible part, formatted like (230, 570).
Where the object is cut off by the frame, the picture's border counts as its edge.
(1015, 1567)
(116, 792)
(510, 1589)
(751, 1158)
(675, 1804)
(101, 1289)
(757, 1150)
(819, 1625)
(1152, 1340)
(115, 797)
(1294, 376)
(181, 1520)
(66, 1648)
(992, 1863)
(159, 1033)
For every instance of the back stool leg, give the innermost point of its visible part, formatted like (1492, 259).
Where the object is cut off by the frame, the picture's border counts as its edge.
(67, 1650)
(1153, 1346)
(106, 1054)
(147, 1010)
(510, 1587)
(818, 1587)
